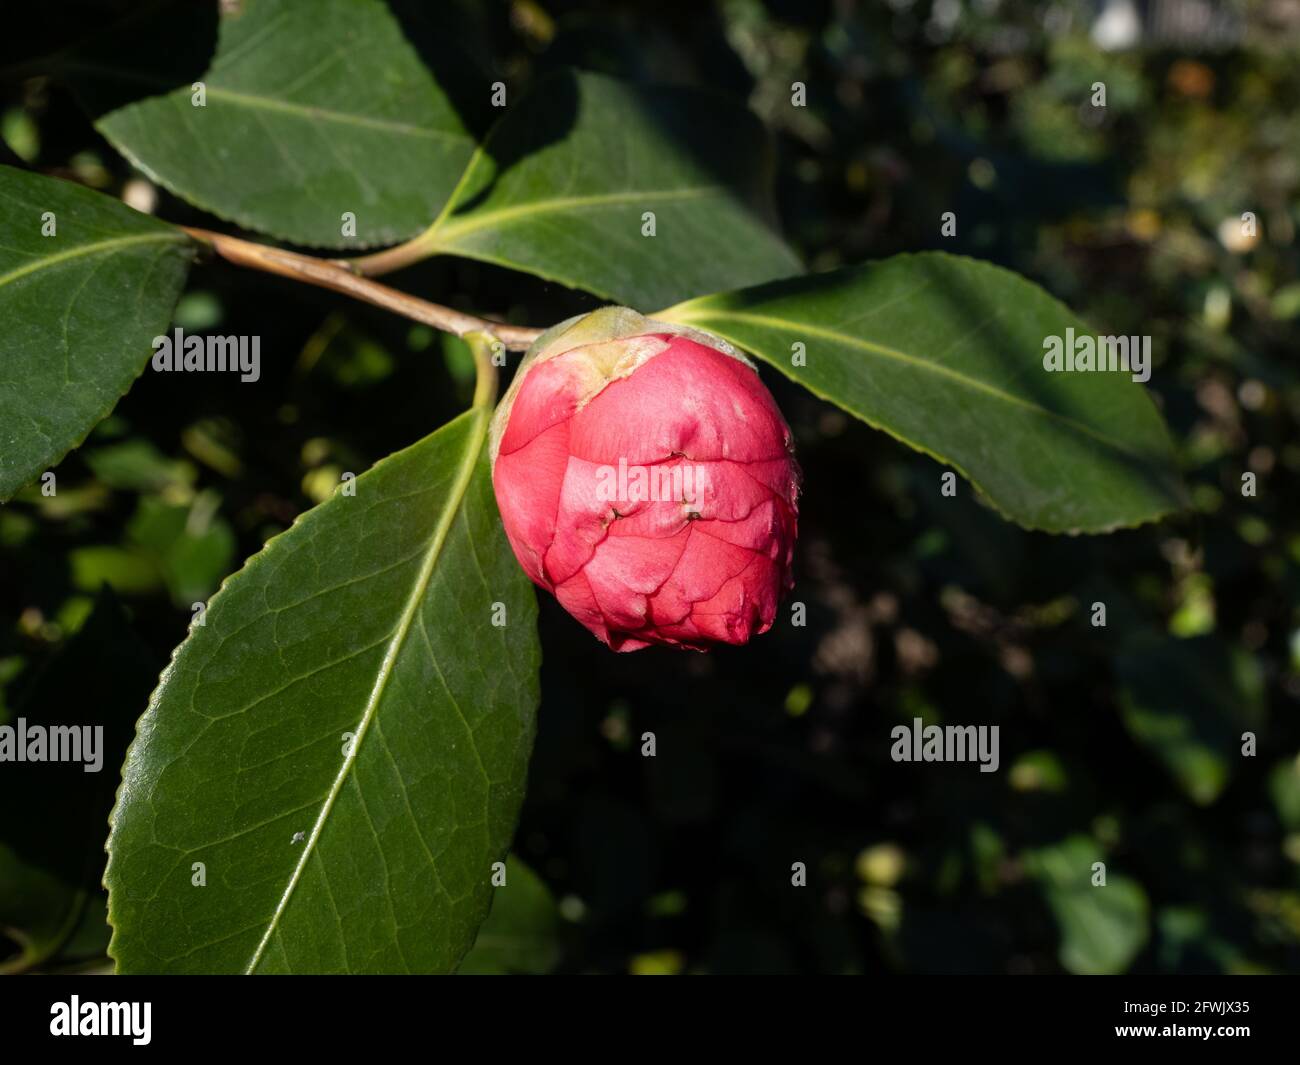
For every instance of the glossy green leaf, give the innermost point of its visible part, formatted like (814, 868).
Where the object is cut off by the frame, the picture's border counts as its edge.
(343, 744)
(946, 354)
(562, 185)
(312, 110)
(1102, 927)
(521, 934)
(80, 308)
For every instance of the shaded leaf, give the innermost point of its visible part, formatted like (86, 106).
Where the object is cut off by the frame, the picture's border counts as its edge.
(562, 183)
(1102, 927)
(946, 354)
(521, 934)
(137, 464)
(50, 865)
(343, 744)
(1284, 786)
(191, 545)
(1187, 941)
(1187, 702)
(80, 308)
(312, 110)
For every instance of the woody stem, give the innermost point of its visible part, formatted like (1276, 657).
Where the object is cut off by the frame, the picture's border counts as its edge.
(340, 277)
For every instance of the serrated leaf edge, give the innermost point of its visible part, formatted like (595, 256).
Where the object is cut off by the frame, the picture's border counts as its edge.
(146, 720)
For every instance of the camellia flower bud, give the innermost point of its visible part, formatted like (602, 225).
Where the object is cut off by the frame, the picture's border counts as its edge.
(646, 478)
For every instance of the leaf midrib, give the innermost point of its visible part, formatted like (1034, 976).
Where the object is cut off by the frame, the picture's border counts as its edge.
(972, 383)
(464, 475)
(89, 249)
(443, 231)
(270, 103)
(343, 118)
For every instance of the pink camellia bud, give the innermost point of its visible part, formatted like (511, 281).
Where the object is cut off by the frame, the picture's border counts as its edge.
(646, 479)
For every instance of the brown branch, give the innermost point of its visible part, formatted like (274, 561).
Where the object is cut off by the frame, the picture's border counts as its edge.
(339, 276)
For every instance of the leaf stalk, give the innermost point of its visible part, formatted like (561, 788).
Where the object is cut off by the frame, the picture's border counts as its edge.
(484, 345)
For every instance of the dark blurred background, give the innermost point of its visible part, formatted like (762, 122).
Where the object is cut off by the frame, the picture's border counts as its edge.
(1120, 744)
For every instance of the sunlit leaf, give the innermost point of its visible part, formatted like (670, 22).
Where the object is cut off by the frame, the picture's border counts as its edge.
(946, 354)
(340, 750)
(565, 185)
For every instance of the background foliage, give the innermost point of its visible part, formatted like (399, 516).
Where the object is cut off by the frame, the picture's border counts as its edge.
(1120, 743)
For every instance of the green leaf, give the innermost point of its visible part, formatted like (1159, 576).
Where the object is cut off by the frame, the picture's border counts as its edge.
(137, 464)
(190, 544)
(946, 354)
(50, 864)
(312, 110)
(521, 934)
(1188, 702)
(561, 184)
(1102, 926)
(79, 308)
(366, 628)
(1284, 786)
